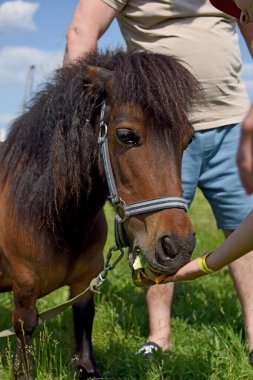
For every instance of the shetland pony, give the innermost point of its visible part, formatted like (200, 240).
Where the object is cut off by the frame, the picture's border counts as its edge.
(53, 186)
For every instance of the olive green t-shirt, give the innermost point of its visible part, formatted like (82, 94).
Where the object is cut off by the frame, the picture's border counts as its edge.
(203, 38)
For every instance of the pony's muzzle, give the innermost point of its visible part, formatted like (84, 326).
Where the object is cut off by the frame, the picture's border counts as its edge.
(172, 253)
(169, 255)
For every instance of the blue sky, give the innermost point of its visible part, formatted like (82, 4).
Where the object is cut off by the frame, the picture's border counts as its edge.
(32, 32)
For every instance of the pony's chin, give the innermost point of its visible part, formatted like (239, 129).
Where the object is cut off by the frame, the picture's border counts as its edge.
(147, 277)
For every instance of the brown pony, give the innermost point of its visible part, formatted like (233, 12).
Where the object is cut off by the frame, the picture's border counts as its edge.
(53, 187)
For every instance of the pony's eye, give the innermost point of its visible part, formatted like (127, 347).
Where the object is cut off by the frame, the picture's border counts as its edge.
(127, 136)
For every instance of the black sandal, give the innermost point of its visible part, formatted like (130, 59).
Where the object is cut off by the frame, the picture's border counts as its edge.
(149, 348)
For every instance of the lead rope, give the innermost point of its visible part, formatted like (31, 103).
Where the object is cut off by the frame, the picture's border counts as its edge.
(93, 287)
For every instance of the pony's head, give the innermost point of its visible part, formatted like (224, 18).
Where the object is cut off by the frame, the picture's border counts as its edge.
(148, 100)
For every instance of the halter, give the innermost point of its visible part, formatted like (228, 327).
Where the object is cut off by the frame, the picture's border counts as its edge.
(123, 210)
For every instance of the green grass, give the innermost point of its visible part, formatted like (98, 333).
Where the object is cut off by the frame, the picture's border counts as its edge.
(206, 325)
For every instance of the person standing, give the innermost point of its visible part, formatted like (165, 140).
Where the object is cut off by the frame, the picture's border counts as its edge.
(243, 10)
(205, 41)
(240, 242)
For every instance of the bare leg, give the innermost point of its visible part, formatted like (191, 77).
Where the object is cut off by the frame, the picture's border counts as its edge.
(159, 299)
(241, 272)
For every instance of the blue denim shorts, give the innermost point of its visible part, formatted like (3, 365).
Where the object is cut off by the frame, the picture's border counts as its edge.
(209, 163)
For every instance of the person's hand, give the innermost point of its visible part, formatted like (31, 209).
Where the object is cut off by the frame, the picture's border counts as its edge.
(188, 272)
(245, 152)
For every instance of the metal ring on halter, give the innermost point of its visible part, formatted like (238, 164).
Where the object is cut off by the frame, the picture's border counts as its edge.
(121, 210)
(102, 132)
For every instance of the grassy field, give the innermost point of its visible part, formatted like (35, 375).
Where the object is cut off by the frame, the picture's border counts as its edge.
(206, 325)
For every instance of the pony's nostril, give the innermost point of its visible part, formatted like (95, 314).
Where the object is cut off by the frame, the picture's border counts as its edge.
(169, 247)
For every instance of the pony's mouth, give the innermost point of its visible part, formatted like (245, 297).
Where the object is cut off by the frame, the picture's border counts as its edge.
(147, 277)
(142, 274)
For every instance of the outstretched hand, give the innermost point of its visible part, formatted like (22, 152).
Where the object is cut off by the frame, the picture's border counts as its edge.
(188, 272)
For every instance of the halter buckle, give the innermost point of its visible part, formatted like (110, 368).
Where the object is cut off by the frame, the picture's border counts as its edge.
(121, 210)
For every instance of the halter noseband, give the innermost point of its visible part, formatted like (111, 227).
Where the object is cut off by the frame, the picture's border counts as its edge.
(123, 210)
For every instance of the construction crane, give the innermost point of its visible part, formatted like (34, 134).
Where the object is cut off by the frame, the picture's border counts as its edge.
(28, 86)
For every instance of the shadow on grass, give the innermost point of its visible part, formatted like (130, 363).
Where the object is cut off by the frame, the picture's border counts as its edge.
(198, 303)
(163, 366)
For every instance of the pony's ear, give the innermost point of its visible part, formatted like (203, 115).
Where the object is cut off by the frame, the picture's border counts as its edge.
(97, 77)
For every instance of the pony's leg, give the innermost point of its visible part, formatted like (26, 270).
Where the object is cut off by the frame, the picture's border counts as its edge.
(83, 311)
(25, 320)
(83, 315)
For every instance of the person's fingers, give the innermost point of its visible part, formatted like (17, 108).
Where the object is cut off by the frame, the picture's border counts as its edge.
(188, 272)
(169, 279)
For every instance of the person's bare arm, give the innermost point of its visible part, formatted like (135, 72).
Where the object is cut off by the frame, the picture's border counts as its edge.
(247, 33)
(90, 20)
(245, 152)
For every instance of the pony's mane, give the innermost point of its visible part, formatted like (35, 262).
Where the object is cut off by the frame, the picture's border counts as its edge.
(50, 156)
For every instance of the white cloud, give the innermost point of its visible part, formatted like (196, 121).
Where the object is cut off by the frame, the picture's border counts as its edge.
(15, 62)
(3, 133)
(17, 14)
(6, 118)
(14, 65)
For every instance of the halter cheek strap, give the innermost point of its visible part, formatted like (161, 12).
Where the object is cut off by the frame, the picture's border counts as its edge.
(123, 210)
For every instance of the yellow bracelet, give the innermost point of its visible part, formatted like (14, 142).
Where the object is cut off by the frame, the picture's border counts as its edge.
(203, 265)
